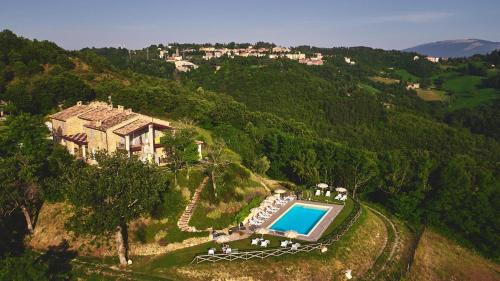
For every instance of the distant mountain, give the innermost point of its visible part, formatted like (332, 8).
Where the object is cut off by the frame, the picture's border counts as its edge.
(455, 48)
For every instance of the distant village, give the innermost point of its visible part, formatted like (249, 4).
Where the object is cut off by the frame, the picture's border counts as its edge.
(183, 65)
(182, 58)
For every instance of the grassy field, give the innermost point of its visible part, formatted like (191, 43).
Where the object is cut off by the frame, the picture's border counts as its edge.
(357, 250)
(467, 92)
(438, 258)
(369, 88)
(405, 75)
(432, 95)
(238, 189)
(384, 80)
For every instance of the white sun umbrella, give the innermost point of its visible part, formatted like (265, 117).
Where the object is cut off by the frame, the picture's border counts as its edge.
(280, 191)
(222, 239)
(322, 185)
(291, 234)
(340, 189)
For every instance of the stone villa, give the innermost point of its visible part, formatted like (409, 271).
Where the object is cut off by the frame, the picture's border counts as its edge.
(85, 129)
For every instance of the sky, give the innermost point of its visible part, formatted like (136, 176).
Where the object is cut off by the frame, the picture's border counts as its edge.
(387, 24)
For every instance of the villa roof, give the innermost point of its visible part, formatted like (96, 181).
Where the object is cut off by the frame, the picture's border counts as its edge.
(79, 138)
(131, 127)
(100, 114)
(70, 112)
(111, 121)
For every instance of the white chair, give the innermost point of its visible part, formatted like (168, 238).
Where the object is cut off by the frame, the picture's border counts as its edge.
(265, 243)
(228, 251)
(338, 196)
(271, 210)
(318, 192)
(280, 202)
(343, 198)
(295, 246)
(255, 241)
(328, 193)
(264, 215)
(284, 244)
(211, 251)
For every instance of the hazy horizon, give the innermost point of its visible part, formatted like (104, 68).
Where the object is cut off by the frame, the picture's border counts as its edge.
(379, 24)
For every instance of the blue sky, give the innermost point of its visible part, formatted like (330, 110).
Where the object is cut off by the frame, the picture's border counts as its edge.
(135, 24)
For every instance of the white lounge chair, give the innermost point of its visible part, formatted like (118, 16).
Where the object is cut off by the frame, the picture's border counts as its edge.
(274, 208)
(295, 246)
(265, 243)
(328, 193)
(318, 192)
(271, 210)
(264, 215)
(280, 202)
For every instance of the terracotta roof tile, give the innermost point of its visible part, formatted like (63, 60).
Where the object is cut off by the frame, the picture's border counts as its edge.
(131, 127)
(71, 112)
(111, 121)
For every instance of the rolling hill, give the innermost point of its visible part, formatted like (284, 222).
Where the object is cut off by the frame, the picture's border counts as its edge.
(455, 48)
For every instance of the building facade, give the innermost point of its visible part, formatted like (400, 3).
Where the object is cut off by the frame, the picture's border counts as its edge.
(98, 126)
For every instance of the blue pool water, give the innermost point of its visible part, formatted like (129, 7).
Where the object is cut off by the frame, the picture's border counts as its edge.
(299, 218)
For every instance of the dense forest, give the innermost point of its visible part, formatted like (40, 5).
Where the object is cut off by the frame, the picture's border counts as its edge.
(424, 162)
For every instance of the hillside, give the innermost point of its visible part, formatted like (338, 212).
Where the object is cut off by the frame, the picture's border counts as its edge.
(438, 258)
(455, 48)
(356, 126)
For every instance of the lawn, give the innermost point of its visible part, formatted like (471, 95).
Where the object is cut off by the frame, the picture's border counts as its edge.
(235, 189)
(405, 75)
(432, 95)
(467, 92)
(357, 250)
(186, 255)
(369, 88)
(384, 80)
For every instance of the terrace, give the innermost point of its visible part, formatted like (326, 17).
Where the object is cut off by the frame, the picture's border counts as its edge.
(259, 238)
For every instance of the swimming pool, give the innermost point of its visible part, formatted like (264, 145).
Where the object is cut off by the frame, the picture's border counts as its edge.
(301, 218)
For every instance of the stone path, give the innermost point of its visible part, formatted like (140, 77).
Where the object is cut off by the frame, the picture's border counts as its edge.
(183, 222)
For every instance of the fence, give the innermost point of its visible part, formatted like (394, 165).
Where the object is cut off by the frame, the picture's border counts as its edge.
(276, 252)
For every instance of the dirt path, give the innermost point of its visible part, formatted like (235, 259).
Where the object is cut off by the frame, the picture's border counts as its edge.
(390, 247)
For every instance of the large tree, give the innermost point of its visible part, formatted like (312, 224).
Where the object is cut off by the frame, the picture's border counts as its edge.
(181, 149)
(108, 196)
(218, 160)
(24, 149)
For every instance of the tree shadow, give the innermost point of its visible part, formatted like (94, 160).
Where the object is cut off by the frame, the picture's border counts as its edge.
(59, 259)
(12, 232)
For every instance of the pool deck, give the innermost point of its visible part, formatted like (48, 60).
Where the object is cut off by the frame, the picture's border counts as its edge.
(318, 229)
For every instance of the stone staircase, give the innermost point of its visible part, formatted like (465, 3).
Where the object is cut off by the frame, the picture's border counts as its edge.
(183, 222)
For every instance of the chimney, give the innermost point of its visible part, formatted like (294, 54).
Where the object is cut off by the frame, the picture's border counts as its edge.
(128, 111)
(110, 106)
(79, 103)
(98, 123)
(120, 107)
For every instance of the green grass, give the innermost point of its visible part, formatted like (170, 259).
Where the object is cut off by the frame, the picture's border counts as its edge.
(405, 75)
(432, 95)
(186, 255)
(369, 88)
(467, 92)
(462, 84)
